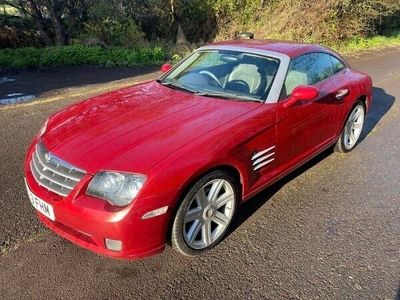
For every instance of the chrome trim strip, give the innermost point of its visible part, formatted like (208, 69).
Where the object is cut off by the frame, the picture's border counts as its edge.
(258, 154)
(262, 158)
(280, 76)
(263, 164)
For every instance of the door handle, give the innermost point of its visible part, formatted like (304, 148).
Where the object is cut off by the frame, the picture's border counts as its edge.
(340, 94)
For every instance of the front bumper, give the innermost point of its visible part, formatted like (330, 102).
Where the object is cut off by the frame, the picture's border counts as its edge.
(88, 221)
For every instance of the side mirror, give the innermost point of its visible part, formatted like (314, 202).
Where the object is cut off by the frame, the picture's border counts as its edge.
(166, 67)
(302, 93)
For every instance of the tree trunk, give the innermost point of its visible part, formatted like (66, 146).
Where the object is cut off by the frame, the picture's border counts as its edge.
(54, 8)
(180, 36)
(40, 24)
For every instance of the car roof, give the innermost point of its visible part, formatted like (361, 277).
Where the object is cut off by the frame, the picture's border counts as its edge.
(291, 49)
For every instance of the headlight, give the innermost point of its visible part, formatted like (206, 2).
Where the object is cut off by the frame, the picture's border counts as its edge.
(117, 188)
(43, 128)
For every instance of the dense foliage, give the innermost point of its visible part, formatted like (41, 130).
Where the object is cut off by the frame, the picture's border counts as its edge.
(121, 32)
(129, 23)
(79, 55)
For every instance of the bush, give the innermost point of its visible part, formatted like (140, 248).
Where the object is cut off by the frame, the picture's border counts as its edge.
(80, 55)
(116, 32)
(314, 21)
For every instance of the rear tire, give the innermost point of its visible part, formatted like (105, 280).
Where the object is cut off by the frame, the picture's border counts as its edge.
(352, 129)
(205, 213)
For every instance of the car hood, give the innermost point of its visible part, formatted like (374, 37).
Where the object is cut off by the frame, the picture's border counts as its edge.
(134, 128)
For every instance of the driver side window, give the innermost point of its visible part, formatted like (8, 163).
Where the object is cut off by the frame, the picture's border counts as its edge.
(307, 69)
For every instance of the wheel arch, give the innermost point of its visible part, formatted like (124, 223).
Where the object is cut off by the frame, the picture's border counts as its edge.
(364, 100)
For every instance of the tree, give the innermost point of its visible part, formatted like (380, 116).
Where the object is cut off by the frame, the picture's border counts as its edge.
(62, 14)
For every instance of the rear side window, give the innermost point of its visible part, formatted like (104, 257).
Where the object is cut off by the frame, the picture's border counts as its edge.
(307, 69)
(320, 69)
(337, 65)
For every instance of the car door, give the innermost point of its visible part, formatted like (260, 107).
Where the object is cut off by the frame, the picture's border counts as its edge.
(306, 126)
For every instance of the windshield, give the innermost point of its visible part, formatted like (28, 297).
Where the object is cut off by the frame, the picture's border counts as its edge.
(225, 74)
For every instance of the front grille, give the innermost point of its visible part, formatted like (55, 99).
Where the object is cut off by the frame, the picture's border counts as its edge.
(53, 173)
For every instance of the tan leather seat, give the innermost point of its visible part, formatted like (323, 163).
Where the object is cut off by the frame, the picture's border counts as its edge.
(247, 73)
(294, 79)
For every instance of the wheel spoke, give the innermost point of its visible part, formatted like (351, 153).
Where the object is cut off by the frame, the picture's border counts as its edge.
(352, 138)
(193, 214)
(223, 199)
(357, 114)
(206, 233)
(194, 230)
(215, 189)
(220, 219)
(202, 198)
(347, 138)
(357, 126)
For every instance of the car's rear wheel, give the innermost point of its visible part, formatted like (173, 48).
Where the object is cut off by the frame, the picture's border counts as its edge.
(205, 213)
(352, 129)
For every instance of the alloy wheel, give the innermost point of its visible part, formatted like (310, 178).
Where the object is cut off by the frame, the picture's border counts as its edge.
(354, 126)
(209, 214)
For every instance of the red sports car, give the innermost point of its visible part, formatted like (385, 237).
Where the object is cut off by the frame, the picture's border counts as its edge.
(171, 160)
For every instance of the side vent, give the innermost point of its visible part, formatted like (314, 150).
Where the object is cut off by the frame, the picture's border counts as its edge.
(263, 158)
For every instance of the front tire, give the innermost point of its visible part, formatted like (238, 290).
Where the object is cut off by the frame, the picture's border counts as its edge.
(205, 213)
(352, 129)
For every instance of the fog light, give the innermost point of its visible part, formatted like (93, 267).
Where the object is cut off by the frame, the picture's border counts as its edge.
(113, 245)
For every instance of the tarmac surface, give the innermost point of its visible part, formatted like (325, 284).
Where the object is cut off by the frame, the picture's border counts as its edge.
(330, 230)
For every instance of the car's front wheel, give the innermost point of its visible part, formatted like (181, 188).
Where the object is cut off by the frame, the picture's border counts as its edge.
(352, 129)
(205, 213)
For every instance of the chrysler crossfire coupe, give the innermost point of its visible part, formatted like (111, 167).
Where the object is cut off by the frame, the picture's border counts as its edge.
(170, 161)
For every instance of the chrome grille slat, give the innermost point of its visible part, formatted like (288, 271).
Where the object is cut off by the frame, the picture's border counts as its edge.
(53, 178)
(63, 171)
(47, 183)
(53, 173)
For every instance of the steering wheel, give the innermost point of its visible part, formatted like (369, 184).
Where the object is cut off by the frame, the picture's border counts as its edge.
(212, 76)
(238, 86)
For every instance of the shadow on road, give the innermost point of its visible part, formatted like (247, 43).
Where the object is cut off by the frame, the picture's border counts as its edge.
(253, 204)
(37, 82)
(381, 104)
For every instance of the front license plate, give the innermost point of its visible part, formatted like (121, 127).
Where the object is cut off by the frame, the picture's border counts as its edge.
(40, 205)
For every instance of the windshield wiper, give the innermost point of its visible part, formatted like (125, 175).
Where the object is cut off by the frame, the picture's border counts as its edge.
(177, 85)
(228, 96)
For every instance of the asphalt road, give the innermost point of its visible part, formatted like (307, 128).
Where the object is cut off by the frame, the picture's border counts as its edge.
(331, 230)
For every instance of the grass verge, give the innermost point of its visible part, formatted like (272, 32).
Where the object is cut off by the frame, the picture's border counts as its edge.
(367, 43)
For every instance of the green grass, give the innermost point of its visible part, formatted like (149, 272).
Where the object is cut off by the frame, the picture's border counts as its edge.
(367, 43)
(76, 55)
